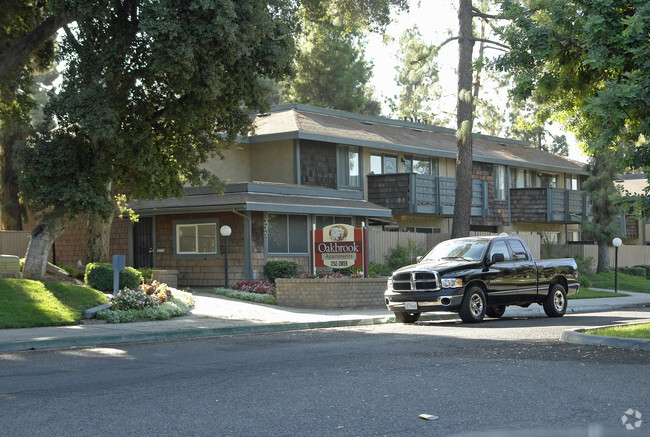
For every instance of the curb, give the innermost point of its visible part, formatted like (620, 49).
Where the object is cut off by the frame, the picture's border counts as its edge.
(185, 334)
(578, 336)
(570, 336)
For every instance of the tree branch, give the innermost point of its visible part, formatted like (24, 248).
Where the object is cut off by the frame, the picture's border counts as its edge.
(478, 13)
(72, 38)
(489, 41)
(16, 54)
(448, 40)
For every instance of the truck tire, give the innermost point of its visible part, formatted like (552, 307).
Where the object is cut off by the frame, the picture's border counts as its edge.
(472, 308)
(495, 311)
(555, 303)
(403, 317)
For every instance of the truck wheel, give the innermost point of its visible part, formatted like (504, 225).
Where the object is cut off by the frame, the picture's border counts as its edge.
(495, 311)
(555, 303)
(472, 308)
(403, 317)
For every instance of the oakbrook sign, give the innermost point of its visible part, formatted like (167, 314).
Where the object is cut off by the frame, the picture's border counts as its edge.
(338, 246)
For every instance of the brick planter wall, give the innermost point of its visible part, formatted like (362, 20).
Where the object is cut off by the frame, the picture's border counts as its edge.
(331, 293)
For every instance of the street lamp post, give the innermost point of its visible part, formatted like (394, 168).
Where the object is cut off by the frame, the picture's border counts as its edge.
(617, 243)
(225, 232)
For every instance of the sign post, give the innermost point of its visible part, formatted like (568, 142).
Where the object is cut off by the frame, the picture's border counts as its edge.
(119, 263)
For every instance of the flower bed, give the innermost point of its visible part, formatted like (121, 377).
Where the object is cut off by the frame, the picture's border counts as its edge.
(155, 301)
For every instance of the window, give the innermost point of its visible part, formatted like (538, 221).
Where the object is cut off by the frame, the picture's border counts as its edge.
(195, 238)
(547, 180)
(383, 164)
(499, 247)
(326, 220)
(420, 165)
(349, 166)
(390, 164)
(287, 233)
(375, 164)
(571, 182)
(518, 250)
(422, 230)
(529, 179)
(500, 182)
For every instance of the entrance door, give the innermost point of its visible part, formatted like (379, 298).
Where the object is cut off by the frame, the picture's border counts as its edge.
(143, 243)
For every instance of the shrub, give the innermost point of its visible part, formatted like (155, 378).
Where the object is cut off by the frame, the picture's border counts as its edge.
(133, 299)
(647, 270)
(585, 266)
(250, 297)
(376, 269)
(636, 271)
(280, 269)
(401, 256)
(257, 287)
(100, 277)
(145, 272)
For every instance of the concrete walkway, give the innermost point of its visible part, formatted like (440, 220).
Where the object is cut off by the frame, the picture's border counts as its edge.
(216, 315)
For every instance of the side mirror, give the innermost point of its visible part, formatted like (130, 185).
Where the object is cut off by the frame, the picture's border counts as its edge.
(418, 259)
(497, 258)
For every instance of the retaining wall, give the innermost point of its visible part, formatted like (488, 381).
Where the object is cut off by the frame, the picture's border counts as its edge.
(331, 293)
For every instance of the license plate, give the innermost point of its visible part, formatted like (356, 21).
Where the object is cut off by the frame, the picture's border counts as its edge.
(411, 305)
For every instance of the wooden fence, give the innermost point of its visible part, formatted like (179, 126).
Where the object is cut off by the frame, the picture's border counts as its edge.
(14, 242)
(382, 242)
(627, 255)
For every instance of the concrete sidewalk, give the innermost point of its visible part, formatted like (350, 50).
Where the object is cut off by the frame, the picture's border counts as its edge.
(216, 315)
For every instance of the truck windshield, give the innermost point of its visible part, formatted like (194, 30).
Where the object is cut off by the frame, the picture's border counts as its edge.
(460, 249)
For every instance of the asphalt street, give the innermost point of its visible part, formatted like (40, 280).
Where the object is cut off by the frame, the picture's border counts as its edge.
(502, 376)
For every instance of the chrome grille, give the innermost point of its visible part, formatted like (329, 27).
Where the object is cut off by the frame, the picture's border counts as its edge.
(416, 281)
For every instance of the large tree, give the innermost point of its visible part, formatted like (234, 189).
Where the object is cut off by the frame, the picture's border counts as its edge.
(151, 90)
(529, 122)
(588, 63)
(417, 77)
(330, 69)
(464, 123)
(16, 21)
(148, 89)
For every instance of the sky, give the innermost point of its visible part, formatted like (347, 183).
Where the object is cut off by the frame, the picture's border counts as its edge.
(436, 20)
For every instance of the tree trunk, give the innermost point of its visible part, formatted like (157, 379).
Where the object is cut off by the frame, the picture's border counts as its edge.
(98, 235)
(11, 211)
(464, 120)
(43, 236)
(603, 257)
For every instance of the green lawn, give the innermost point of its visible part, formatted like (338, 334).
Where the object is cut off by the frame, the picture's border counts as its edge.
(587, 293)
(640, 330)
(25, 303)
(626, 282)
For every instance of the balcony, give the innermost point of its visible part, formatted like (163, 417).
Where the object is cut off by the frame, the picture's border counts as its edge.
(549, 205)
(409, 193)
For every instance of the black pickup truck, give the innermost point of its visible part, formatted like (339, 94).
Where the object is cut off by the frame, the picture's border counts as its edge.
(478, 277)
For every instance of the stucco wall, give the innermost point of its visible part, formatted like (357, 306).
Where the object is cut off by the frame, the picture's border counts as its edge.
(235, 167)
(273, 162)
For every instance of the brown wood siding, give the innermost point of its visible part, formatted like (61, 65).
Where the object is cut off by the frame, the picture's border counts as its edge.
(529, 204)
(318, 164)
(498, 210)
(390, 191)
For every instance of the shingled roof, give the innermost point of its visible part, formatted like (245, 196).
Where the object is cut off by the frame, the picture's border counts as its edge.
(295, 121)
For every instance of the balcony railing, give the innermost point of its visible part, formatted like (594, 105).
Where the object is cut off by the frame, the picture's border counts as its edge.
(549, 205)
(409, 193)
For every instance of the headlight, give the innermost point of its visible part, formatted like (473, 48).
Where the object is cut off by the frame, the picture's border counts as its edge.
(451, 283)
(389, 283)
